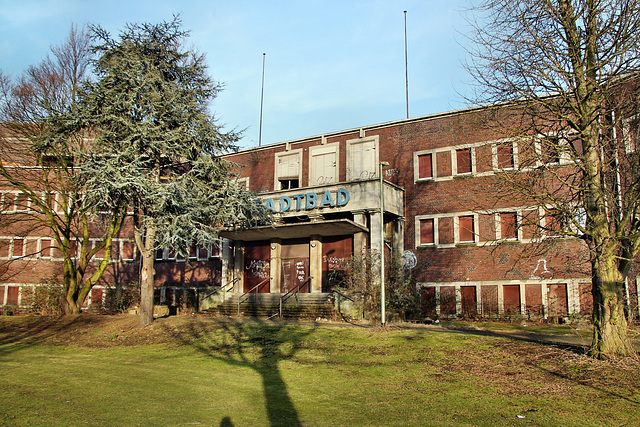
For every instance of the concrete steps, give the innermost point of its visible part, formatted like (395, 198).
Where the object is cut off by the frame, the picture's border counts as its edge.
(297, 306)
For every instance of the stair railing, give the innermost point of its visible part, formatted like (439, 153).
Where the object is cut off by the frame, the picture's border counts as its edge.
(341, 294)
(226, 288)
(255, 288)
(295, 291)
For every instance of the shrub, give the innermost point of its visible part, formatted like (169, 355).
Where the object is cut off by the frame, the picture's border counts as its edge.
(45, 299)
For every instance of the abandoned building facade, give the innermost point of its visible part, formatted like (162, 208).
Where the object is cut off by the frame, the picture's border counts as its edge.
(424, 189)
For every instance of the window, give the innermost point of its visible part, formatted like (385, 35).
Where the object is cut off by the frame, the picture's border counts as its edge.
(18, 248)
(427, 231)
(554, 222)
(323, 164)
(550, 150)
(425, 166)
(631, 133)
(288, 170)
(508, 225)
(465, 229)
(463, 159)
(505, 156)
(362, 158)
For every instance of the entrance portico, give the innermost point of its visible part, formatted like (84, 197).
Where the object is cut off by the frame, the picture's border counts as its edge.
(315, 231)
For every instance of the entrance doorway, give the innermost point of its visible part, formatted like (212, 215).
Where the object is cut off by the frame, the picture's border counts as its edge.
(257, 269)
(295, 265)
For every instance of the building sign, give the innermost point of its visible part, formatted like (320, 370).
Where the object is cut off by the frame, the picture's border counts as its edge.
(308, 201)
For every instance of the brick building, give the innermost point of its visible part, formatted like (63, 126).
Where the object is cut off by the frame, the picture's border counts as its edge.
(472, 250)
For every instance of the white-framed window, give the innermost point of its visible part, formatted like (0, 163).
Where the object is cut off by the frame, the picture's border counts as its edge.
(507, 225)
(424, 165)
(362, 158)
(504, 155)
(631, 133)
(426, 231)
(288, 169)
(466, 228)
(324, 164)
(464, 161)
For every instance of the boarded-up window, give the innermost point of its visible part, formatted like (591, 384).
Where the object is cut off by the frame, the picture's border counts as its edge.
(489, 300)
(465, 229)
(96, 297)
(324, 161)
(533, 298)
(447, 300)
(425, 166)
(429, 301)
(22, 202)
(469, 302)
(550, 150)
(586, 299)
(554, 222)
(362, 159)
(18, 248)
(128, 251)
(8, 200)
(463, 159)
(631, 133)
(511, 298)
(5, 244)
(530, 224)
(12, 295)
(508, 225)
(557, 299)
(426, 232)
(288, 170)
(505, 156)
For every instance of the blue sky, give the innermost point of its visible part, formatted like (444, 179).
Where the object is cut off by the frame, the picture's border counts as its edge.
(330, 65)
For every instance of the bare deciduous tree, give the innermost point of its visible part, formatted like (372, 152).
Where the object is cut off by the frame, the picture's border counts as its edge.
(568, 71)
(39, 167)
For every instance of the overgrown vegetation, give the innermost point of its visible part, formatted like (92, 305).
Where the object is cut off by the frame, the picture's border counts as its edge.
(360, 277)
(286, 374)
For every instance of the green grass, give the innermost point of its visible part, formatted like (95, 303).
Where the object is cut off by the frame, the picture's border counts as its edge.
(185, 371)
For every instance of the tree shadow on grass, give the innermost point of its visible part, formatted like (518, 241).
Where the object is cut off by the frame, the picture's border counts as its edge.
(575, 345)
(257, 345)
(26, 331)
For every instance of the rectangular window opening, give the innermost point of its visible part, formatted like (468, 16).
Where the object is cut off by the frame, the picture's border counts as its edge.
(505, 156)
(463, 158)
(465, 229)
(427, 232)
(508, 225)
(425, 166)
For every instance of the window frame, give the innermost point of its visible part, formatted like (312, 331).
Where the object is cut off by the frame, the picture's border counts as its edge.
(457, 228)
(279, 178)
(351, 144)
(318, 150)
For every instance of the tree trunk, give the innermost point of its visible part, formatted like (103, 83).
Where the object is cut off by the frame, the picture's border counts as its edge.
(147, 279)
(610, 337)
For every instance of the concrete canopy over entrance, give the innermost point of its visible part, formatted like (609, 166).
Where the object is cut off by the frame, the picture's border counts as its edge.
(291, 231)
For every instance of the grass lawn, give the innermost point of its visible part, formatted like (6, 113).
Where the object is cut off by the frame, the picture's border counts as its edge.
(104, 370)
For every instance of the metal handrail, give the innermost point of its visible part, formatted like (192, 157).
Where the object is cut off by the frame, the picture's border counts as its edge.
(240, 298)
(220, 289)
(335, 291)
(295, 289)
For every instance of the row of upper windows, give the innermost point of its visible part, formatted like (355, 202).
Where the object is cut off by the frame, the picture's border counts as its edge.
(46, 248)
(121, 250)
(324, 163)
(524, 225)
(487, 158)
